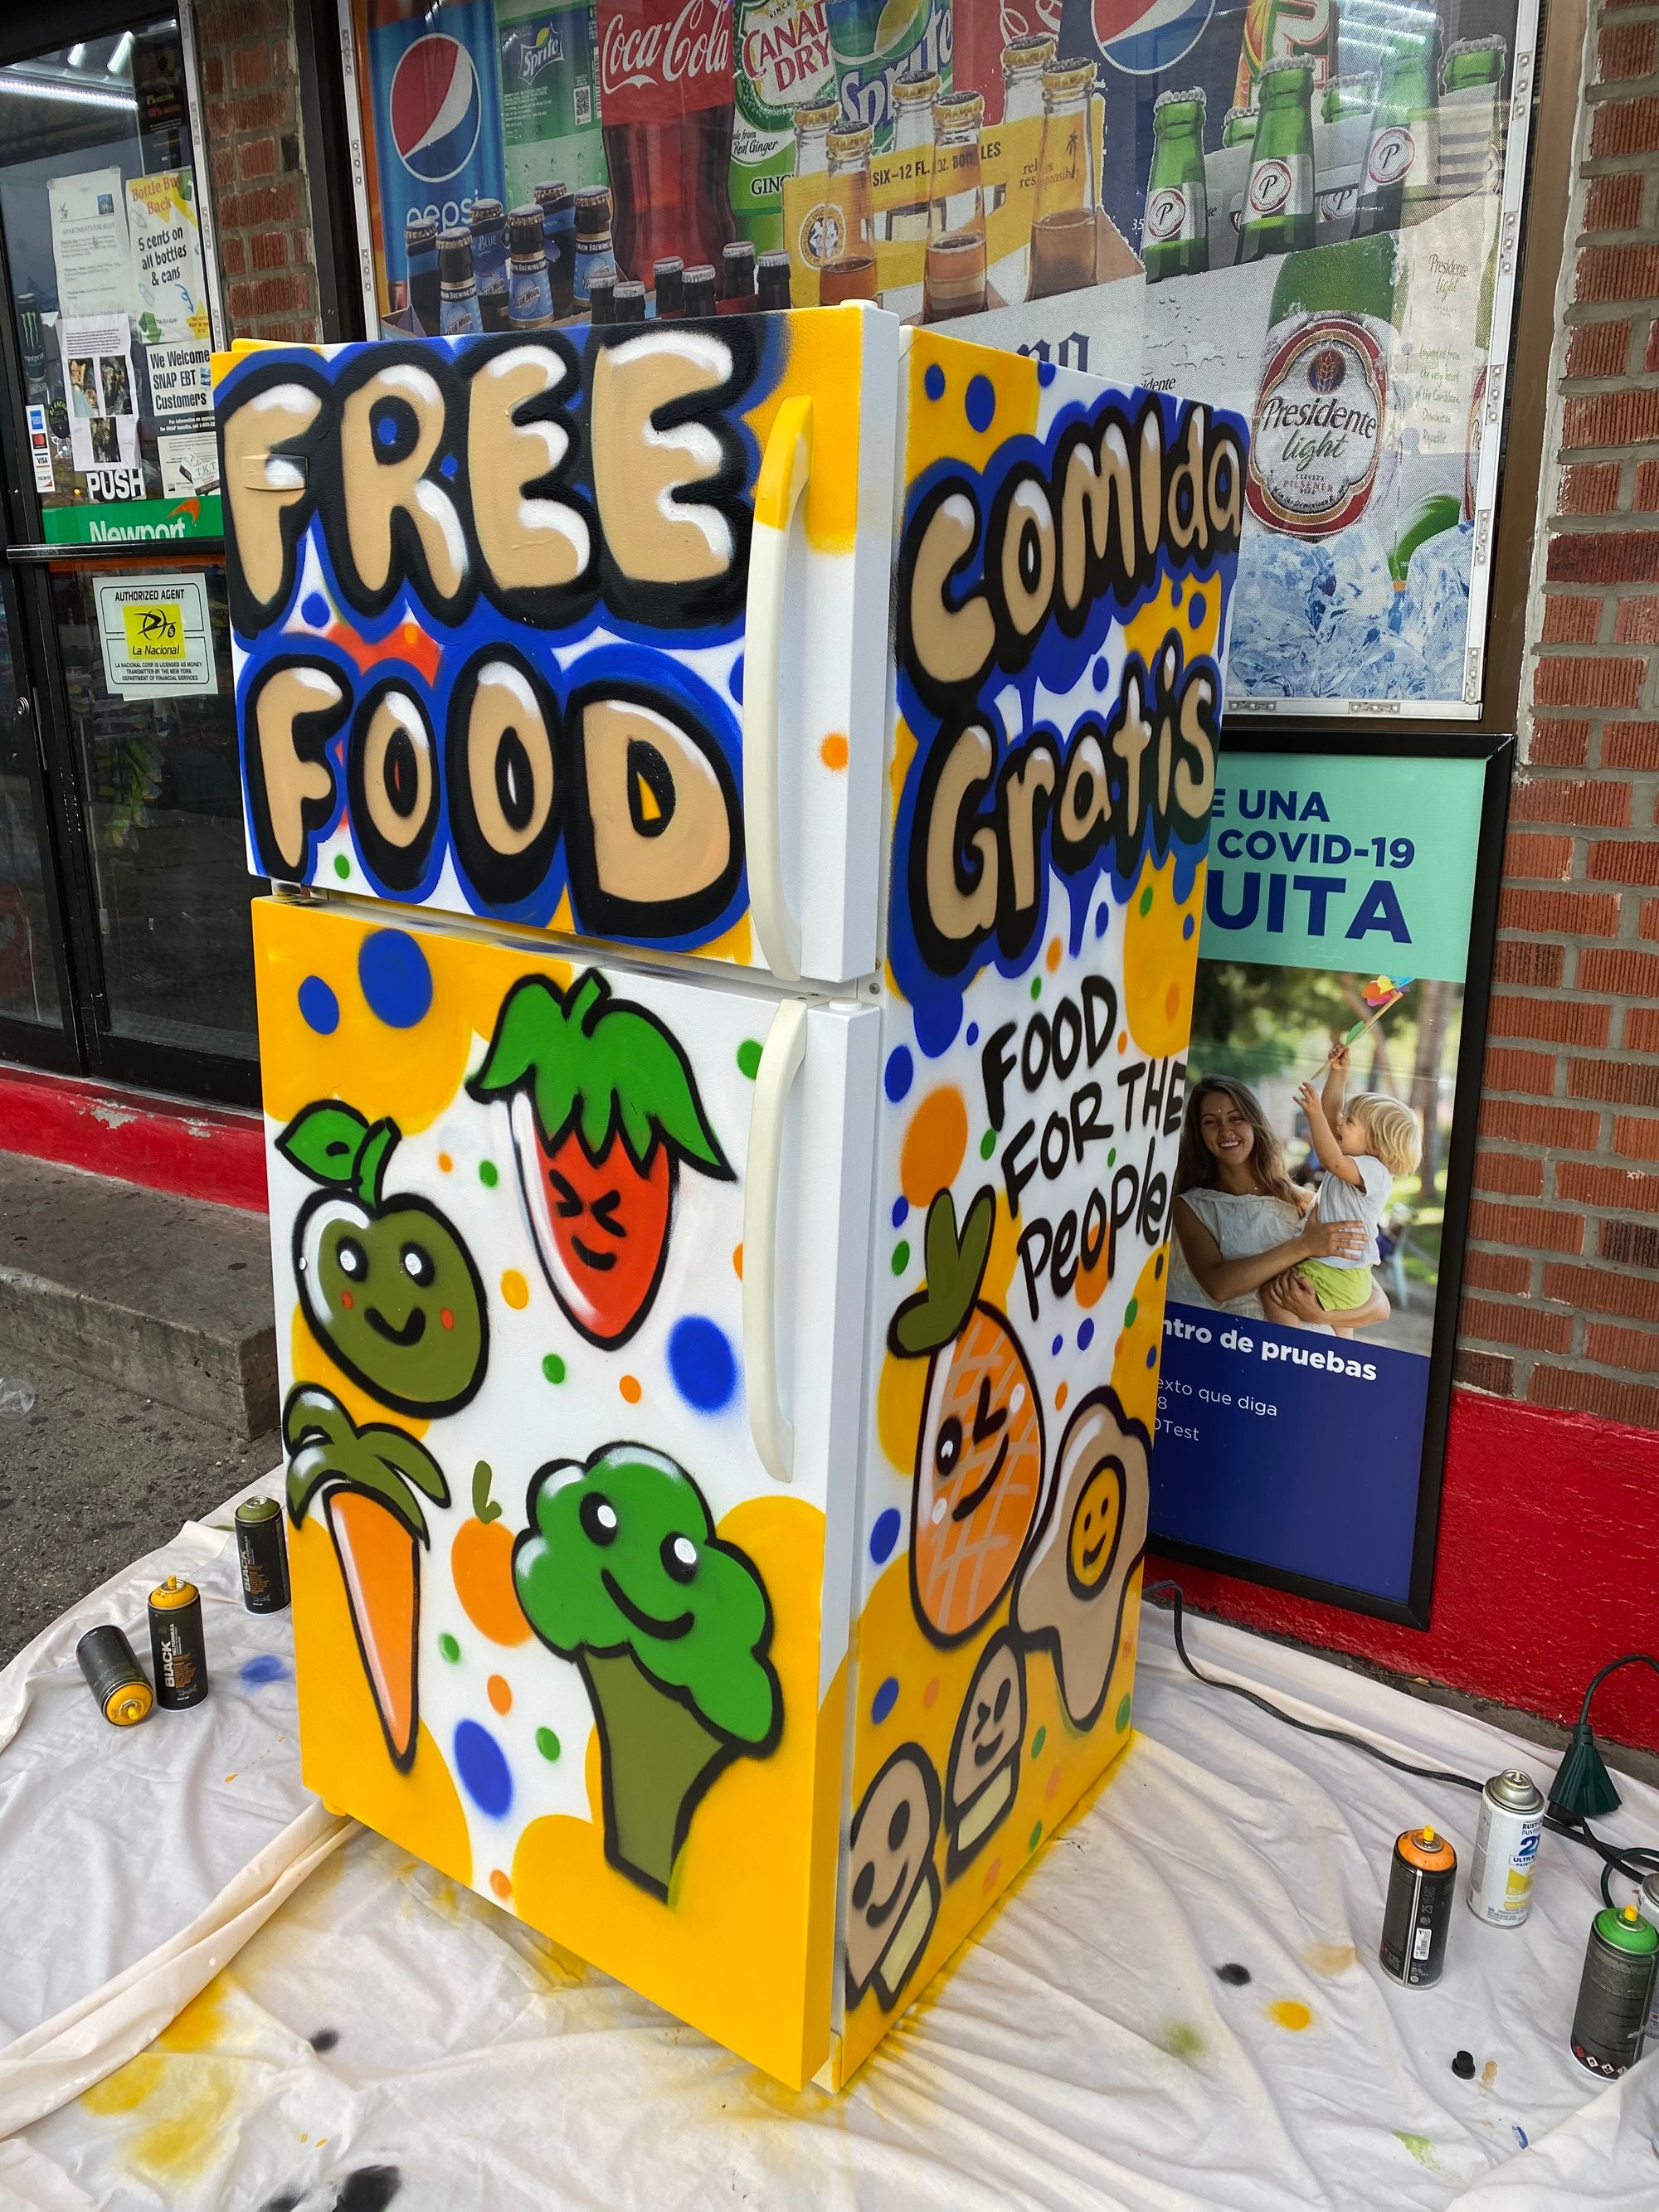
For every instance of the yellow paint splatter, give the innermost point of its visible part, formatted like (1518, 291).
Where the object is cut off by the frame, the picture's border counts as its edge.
(1421, 2148)
(1291, 2013)
(1331, 1959)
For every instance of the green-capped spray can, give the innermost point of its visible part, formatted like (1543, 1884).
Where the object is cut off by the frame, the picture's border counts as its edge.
(1613, 1991)
(262, 1555)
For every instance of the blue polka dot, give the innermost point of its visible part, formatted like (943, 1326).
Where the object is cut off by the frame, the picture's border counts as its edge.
(1085, 1336)
(703, 1364)
(932, 382)
(901, 1208)
(396, 980)
(448, 465)
(264, 1666)
(1045, 372)
(885, 1535)
(319, 1009)
(1103, 920)
(1103, 675)
(937, 1022)
(1174, 595)
(1056, 1347)
(1196, 609)
(481, 1765)
(1187, 925)
(884, 1699)
(734, 681)
(901, 1073)
(313, 609)
(980, 405)
(973, 1032)
(1152, 1357)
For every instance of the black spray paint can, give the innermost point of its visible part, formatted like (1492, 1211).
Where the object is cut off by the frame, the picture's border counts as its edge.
(262, 1555)
(1421, 1880)
(114, 1676)
(178, 1649)
(1612, 2011)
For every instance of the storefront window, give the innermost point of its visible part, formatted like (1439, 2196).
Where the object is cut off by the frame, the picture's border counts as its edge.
(99, 205)
(29, 984)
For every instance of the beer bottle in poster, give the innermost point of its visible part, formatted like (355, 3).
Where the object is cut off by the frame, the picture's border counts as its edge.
(1063, 230)
(1322, 449)
(1472, 118)
(666, 97)
(434, 91)
(701, 305)
(1483, 308)
(818, 233)
(876, 42)
(737, 278)
(782, 62)
(1282, 30)
(550, 94)
(953, 284)
(1278, 200)
(458, 305)
(1024, 62)
(773, 280)
(1344, 96)
(1402, 160)
(912, 159)
(1177, 220)
(529, 289)
(488, 227)
(849, 271)
(558, 206)
(1238, 127)
(595, 256)
(421, 261)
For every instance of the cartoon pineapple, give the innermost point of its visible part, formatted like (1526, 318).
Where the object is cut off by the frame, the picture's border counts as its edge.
(978, 1455)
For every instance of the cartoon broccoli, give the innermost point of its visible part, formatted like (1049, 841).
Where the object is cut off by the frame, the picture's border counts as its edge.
(620, 1570)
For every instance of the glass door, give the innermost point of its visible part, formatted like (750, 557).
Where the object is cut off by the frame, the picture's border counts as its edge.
(114, 558)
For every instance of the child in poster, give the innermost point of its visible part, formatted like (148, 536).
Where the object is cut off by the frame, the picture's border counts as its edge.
(1364, 1148)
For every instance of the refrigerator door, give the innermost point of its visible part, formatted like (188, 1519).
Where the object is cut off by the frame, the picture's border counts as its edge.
(558, 629)
(552, 1242)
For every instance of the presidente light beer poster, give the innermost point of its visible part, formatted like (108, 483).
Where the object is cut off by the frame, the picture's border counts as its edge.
(1314, 1226)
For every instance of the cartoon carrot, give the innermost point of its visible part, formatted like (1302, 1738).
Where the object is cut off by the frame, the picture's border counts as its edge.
(368, 1478)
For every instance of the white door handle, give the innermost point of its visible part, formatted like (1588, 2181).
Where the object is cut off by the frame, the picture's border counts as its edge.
(768, 1424)
(784, 469)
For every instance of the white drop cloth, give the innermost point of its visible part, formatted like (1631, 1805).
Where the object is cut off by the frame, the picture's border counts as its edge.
(1082, 2052)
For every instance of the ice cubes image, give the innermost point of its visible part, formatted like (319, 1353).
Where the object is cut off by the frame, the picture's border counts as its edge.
(1434, 614)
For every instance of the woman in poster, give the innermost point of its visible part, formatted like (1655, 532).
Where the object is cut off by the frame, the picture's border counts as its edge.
(1242, 1224)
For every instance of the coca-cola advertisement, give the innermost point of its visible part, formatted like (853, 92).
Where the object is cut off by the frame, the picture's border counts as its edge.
(1310, 213)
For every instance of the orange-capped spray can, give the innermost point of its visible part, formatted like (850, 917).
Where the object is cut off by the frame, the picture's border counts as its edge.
(1421, 1880)
(177, 1646)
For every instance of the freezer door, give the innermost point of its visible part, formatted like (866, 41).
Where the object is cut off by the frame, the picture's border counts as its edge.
(569, 1264)
(558, 629)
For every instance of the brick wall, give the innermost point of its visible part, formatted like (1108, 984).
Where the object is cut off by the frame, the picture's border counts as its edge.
(256, 158)
(1561, 1304)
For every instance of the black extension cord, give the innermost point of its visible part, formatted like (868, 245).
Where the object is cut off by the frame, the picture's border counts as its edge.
(1633, 1861)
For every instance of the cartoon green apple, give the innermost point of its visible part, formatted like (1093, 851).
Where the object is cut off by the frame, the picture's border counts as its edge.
(386, 1283)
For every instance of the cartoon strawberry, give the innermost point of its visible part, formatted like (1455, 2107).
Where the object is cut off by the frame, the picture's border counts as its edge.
(604, 1109)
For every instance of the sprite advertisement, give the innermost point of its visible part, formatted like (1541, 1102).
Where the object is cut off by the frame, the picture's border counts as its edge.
(878, 41)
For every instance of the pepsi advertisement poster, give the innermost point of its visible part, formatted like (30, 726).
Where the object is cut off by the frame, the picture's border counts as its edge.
(1307, 213)
(1320, 1184)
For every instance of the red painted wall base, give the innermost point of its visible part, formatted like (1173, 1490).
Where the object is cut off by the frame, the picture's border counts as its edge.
(211, 1152)
(1548, 1567)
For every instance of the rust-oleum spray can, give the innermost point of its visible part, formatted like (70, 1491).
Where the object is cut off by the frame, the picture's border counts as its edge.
(1421, 1880)
(262, 1555)
(1506, 1849)
(1613, 1995)
(176, 1643)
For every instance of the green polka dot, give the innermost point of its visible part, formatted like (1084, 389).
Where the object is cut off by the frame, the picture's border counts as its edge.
(901, 1256)
(748, 1058)
(488, 1174)
(1146, 899)
(1111, 1157)
(1125, 1706)
(988, 1143)
(554, 1368)
(341, 866)
(1130, 1311)
(1035, 1837)
(547, 1743)
(1037, 987)
(1037, 1742)
(450, 1649)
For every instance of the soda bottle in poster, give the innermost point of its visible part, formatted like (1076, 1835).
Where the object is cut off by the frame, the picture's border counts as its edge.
(912, 161)
(875, 42)
(850, 266)
(1065, 228)
(954, 280)
(782, 62)
(434, 93)
(1320, 449)
(1278, 200)
(549, 95)
(813, 229)
(1282, 30)
(1175, 241)
(666, 101)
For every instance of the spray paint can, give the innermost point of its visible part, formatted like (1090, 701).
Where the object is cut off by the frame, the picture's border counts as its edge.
(1506, 1849)
(1614, 1991)
(1651, 1911)
(1421, 1879)
(114, 1676)
(262, 1555)
(178, 1649)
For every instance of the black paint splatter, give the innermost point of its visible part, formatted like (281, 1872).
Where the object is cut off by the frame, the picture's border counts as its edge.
(324, 2039)
(1463, 2065)
(1233, 1974)
(371, 2189)
(285, 2202)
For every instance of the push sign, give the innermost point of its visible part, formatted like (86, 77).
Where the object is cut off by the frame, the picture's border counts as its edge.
(157, 638)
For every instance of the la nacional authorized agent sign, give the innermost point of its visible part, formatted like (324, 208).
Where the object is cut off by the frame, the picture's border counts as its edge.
(1322, 1185)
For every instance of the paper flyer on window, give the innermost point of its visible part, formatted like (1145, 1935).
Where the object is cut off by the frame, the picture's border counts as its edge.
(103, 411)
(90, 248)
(1311, 1186)
(166, 252)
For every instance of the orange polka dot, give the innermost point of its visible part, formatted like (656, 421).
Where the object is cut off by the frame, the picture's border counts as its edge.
(629, 1387)
(1051, 958)
(515, 1290)
(1091, 1281)
(930, 1694)
(500, 1693)
(992, 1874)
(1172, 1000)
(499, 1884)
(444, 1163)
(1123, 1040)
(1062, 1395)
(833, 751)
(737, 1262)
(1052, 1789)
(933, 1144)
